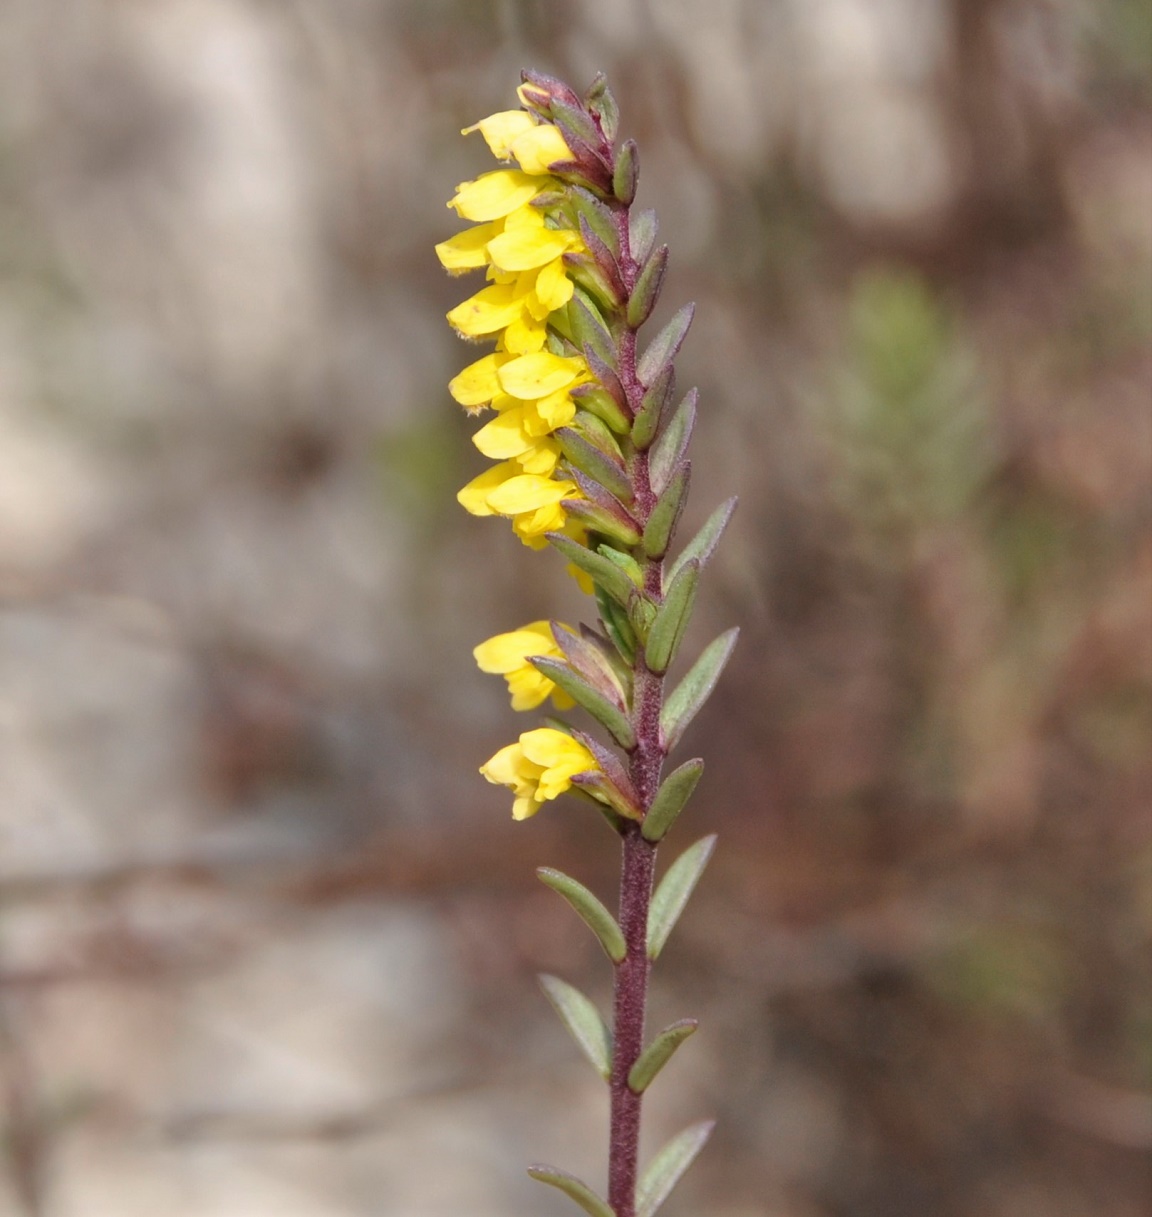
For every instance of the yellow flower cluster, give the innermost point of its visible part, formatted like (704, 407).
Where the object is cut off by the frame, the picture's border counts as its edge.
(538, 767)
(527, 385)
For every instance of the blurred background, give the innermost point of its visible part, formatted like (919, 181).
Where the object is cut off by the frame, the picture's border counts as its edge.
(267, 941)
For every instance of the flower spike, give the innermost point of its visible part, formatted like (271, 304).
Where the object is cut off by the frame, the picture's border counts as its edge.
(589, 455)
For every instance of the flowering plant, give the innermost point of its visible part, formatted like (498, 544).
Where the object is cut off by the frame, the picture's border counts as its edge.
(590, 444)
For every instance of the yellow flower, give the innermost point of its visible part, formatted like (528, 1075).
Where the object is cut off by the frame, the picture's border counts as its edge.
(507, 655)
(513, 134)
(538, 767)
(532, 501)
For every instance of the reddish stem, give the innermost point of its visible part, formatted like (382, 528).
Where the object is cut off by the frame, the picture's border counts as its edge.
(639, 856)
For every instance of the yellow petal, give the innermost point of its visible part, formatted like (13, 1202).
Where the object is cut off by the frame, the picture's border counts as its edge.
(477, 384)
(526, 334)
(467, 249)
(535, 376)
(541, 458)
(503, 768)
(524, 219)
(525, 807)
(530, 526)
(504, 436)
(556, 410)
(499, 130)
(528, 249)
(491, 309)
(474, 497)
(505, 652)
(493, 195)
(553, 288)
(527, 492)
(546, 746)
(540, 147)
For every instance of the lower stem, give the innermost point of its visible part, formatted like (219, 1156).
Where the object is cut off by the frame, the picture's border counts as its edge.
(630, 1001)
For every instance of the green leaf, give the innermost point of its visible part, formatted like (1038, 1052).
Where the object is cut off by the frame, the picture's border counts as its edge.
(675, 888)
(703, 544)
(644, 295)
(598, 465)
(616, 625)
(668, 451)
(658, 1053)
(666, 513)
(642, 227)
(599, 518)
(575, 1188)
(672, 617)
(651, 409)
(583, 1021)
(627, 172)
(693, 691)
(600, 402)
(597, 216)
(664, 346)
(669, 1165)
(674, 793)
(606, 712)
(625, 562)
(607, 575)
(597, 918)
(571, 119)
(603, 105)
(590, 329)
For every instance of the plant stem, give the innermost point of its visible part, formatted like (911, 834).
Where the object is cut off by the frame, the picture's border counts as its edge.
(629, 1010)
(639, 856)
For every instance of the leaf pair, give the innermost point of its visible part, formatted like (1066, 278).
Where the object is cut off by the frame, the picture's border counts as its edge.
(655, 1186)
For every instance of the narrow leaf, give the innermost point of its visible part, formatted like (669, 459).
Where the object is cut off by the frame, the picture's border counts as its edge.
(616, 624)
(601, 403)
(703, 544)
(664, 346)
(642, 233)
(595, 916)
(603, 105)
(583, 1021)
(627, 173)
(598, 217)
(611, 766)
(658, 1053)
(652, 405)
(647, 290)
(598, 465)
(572, 1187)
(591, 699)
(674, 793)
(582, 269)
(602, 572)
(693, 691)
(589, 329)
(596, 518)
(607, 794)
(571, 119)
(588, 657)
(671, 620)
(666, 514)
(607, 377)
(668, 1166)
(668, 450)
(603, 258)
(672, 895)
(625, 562)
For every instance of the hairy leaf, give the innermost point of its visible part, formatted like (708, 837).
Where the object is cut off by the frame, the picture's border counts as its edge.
(674, 890)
